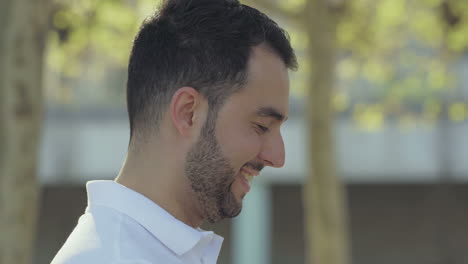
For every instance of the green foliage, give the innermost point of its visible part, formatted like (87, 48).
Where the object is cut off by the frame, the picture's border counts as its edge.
(91, 28)
(395, 59)
(88, 39)
(292, 6)
(394, 55)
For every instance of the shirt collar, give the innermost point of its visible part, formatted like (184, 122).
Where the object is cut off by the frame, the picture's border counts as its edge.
(176, 235)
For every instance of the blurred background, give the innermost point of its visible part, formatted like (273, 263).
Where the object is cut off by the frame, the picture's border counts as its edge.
(383, 84)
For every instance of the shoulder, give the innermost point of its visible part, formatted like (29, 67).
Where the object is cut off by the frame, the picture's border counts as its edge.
(106, 236)
(93, 240)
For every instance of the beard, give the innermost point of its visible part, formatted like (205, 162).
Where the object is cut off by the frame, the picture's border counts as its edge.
(211, 176)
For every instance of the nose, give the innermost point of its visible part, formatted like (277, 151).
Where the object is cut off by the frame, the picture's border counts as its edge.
(272, 153)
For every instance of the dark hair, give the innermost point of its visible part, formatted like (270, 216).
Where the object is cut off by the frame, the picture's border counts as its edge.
(204, 44)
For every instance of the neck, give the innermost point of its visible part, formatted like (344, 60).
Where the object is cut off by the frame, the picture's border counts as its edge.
(163, 181)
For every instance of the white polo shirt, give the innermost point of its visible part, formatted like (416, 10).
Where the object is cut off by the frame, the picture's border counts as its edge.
(122, 226)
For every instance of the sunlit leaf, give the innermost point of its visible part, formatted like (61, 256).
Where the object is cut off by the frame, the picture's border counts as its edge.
(458, 38)
(369, 117)
(427, 25)
(292, 5)
(340, 102)
(457, 112)
(347, 69)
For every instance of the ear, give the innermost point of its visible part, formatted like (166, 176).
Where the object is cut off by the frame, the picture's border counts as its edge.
(184, 104)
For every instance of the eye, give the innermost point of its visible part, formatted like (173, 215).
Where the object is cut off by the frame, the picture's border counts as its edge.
(262, 129)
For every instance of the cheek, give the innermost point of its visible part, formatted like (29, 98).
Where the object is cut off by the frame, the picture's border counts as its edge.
(240, 145)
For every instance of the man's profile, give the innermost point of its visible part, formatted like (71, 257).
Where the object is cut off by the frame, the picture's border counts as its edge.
(207, 92)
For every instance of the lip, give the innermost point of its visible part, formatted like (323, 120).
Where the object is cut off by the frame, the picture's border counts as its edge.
(250, 171)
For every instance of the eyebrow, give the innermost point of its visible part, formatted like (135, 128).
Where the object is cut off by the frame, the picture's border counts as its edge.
(271, 112)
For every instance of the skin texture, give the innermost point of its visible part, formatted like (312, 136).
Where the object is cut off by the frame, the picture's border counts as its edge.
(192, 166)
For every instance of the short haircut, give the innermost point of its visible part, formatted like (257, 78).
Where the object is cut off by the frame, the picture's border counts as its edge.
(204, 44)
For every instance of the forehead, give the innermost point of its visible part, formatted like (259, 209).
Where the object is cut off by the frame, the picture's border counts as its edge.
(267, 83)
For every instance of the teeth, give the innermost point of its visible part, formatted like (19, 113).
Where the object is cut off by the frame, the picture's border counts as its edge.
(248, 177)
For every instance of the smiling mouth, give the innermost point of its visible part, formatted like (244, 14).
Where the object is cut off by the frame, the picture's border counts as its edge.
(248, 174)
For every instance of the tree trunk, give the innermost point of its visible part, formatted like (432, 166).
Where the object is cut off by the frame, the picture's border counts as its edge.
(23, 25)
(324, 194)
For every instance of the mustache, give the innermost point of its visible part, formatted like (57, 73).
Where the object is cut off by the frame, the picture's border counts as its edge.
(255, 166)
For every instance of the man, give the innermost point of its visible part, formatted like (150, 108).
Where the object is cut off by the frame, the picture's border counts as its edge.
(207, 93)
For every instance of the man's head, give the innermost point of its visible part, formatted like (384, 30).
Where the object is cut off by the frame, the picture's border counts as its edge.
(235, 59)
